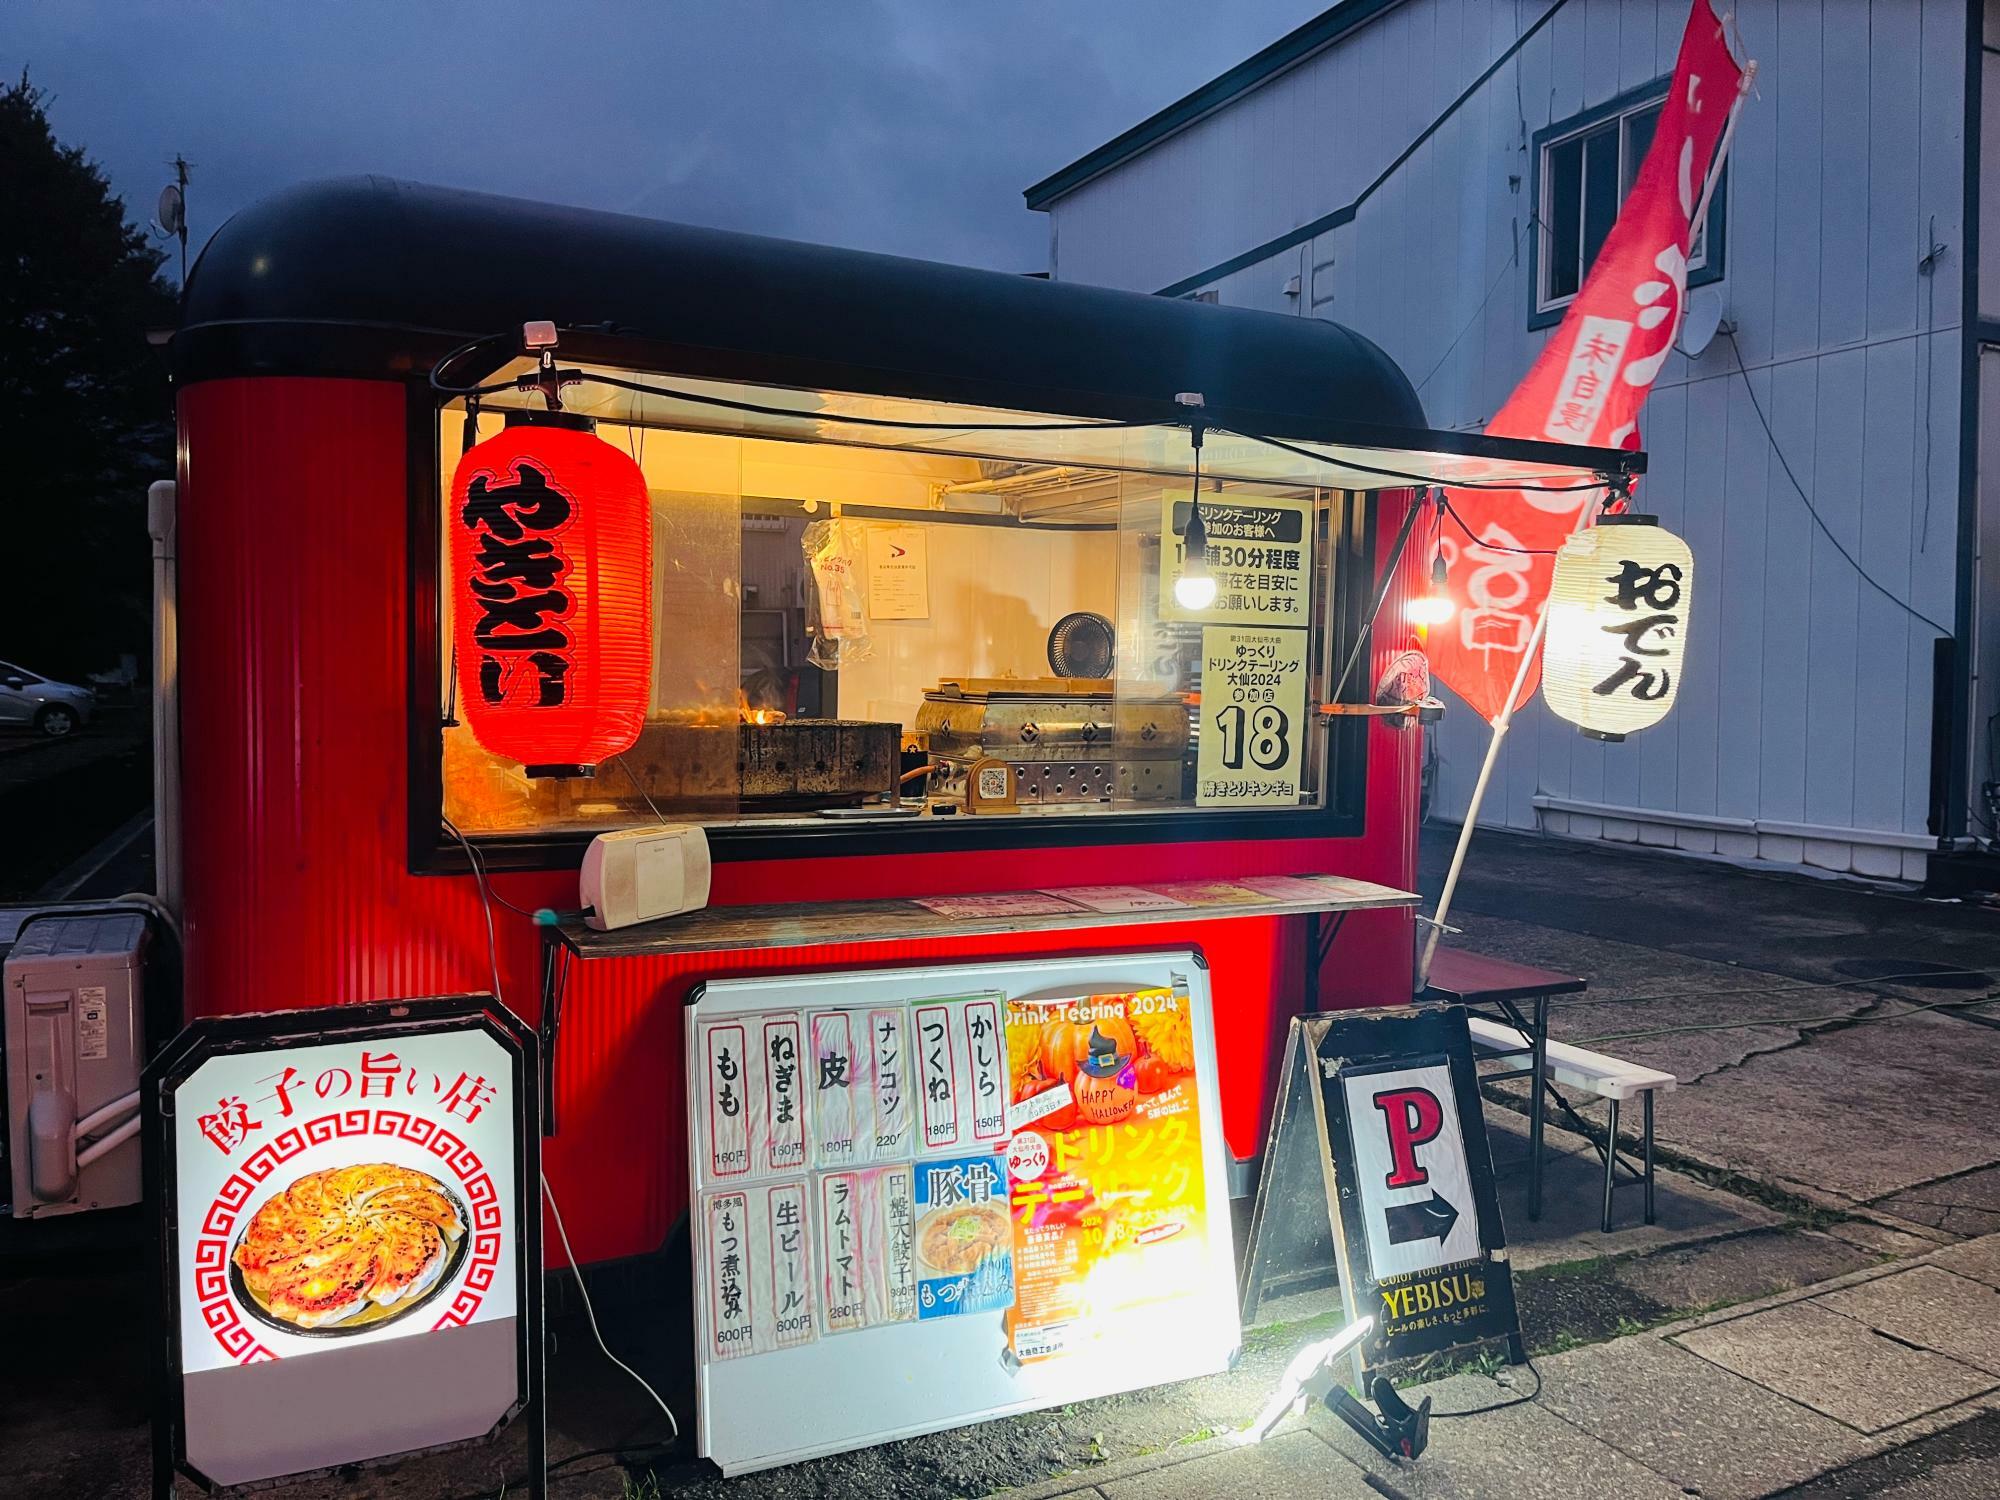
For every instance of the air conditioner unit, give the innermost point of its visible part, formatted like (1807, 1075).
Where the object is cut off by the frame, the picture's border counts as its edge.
(75, 1039)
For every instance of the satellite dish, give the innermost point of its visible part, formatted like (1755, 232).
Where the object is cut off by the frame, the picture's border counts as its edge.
(1699, 324)
(173, 209)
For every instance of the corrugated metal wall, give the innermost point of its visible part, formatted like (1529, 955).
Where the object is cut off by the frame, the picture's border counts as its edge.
(1807, 701)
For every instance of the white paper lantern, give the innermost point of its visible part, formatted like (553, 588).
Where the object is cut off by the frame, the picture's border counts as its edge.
(1618, 613)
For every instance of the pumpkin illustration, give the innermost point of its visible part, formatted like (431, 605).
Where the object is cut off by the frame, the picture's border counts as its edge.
(1066, 1044)
(1106, 1082)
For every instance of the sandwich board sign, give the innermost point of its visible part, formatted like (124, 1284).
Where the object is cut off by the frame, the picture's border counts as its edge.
(1378, 1171)
(349, 1238)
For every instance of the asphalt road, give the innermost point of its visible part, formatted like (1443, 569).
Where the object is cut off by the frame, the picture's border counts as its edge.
(60, 798)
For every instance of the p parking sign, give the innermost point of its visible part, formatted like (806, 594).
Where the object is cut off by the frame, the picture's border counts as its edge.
(1378, 1170)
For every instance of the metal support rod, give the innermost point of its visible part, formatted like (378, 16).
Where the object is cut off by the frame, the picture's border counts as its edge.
(1611, 1164)
(1367, 632)
(1500, 727)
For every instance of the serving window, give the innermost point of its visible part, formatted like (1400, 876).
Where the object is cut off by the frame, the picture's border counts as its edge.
(873, 629)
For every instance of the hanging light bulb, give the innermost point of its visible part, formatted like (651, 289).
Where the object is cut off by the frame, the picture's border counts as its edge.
(1195, 588)
(1434, 607)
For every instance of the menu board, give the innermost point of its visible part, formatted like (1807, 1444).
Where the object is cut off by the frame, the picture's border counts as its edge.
(806, 1125)
(977, 1190)
(1253, 717)
(1259, 553)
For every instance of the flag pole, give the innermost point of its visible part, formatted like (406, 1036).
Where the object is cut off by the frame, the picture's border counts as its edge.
(1502, 724)
(1500, 727)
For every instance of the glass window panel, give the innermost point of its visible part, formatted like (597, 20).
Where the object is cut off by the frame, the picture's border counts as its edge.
(1563, 205)
(1601, 191)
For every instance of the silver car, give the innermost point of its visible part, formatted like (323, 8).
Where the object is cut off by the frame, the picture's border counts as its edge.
(49, 708)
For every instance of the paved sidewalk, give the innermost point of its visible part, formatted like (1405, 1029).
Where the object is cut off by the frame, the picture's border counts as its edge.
(1748, 1402)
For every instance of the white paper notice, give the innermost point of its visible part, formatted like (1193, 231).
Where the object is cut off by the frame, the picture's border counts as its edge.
(940, 1054)
(758, 1258)
(987, 1076)
(1115, 898)
(1253, 729)
(961, 1073)
(899, 1251)
(788, 1231)
(731, 1294)
(888, 1041)
(843, 1267)
(728, 1063)
(782, 1053)
(898, 573)
(1259, 553)
(843, 1103)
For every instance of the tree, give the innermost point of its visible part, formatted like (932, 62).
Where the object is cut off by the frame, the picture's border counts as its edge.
(86, 413)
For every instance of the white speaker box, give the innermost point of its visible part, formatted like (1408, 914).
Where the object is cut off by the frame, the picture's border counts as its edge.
(638, 874)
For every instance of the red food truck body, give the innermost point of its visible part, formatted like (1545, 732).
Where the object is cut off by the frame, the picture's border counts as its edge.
(310, 446)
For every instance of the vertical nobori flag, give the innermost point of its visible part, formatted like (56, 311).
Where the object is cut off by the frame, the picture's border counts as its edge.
(1591, 378)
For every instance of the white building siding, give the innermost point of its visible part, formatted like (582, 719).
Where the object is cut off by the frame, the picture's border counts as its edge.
(1807, 700)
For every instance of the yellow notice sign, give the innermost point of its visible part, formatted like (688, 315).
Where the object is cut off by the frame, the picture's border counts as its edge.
(1253, 708)
(1259, 553)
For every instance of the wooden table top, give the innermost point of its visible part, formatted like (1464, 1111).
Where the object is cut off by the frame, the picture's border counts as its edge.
(1461, 977)
(803, 924)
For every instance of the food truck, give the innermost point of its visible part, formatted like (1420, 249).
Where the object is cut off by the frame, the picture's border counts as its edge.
(320, 757)
(911, 632)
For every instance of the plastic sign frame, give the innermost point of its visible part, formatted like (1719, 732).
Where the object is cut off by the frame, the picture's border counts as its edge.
(275, 1034)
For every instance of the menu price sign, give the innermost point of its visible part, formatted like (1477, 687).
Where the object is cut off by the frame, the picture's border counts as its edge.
(1253, 717)
(1259, 553)
(1100, 1130)
(350, 1228)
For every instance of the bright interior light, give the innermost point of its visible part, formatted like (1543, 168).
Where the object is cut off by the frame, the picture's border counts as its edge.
(1428, 609)
(1194, 590)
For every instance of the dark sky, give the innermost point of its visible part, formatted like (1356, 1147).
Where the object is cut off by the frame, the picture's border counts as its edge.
(902, 125)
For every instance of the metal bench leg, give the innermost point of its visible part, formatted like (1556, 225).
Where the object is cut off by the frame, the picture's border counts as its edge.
(1610, 1165)
(1649, 1156)
(1537, 1106)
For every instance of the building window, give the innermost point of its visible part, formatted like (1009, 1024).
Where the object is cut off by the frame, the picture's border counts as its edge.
(1584, 167)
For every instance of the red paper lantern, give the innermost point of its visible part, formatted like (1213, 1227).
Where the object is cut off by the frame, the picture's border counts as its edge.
(551, 594)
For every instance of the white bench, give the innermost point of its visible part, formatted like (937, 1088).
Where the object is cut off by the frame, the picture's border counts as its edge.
(1609, 1078)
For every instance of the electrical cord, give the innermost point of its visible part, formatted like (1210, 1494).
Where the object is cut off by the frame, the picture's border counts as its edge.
(1457, 484)
(1459, 522)
(1705, 1026)
(1480, 1411)
(1812, 510)
(486, 899)
(753, 408)
(479, 870)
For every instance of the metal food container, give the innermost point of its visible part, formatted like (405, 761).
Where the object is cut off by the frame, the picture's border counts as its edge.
(1069, 739)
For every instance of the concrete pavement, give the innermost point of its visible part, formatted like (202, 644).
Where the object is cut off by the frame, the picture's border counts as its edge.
(1803, 1387)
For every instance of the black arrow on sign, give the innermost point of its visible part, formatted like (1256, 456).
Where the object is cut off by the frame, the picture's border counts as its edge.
(1426, 1219)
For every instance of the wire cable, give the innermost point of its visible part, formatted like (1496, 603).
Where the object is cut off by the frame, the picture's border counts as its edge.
(1480, 1411)
(1812, 510)
(753, 408)
(1477, 541)
(590, 1312)
(479, 869)
(1457, 484)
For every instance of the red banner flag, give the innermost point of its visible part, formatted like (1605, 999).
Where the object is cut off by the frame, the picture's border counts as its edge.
(1590, 379)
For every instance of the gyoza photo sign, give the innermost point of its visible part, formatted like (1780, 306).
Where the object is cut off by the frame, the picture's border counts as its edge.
(348, 1210)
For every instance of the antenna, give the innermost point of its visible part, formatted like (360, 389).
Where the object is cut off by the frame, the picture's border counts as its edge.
(1701, 321)
(171, 219)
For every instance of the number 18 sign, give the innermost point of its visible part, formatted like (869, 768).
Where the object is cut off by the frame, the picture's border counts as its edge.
(1253, 702)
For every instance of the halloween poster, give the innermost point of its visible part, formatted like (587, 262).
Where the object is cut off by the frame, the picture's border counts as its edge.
(1108, 1198)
